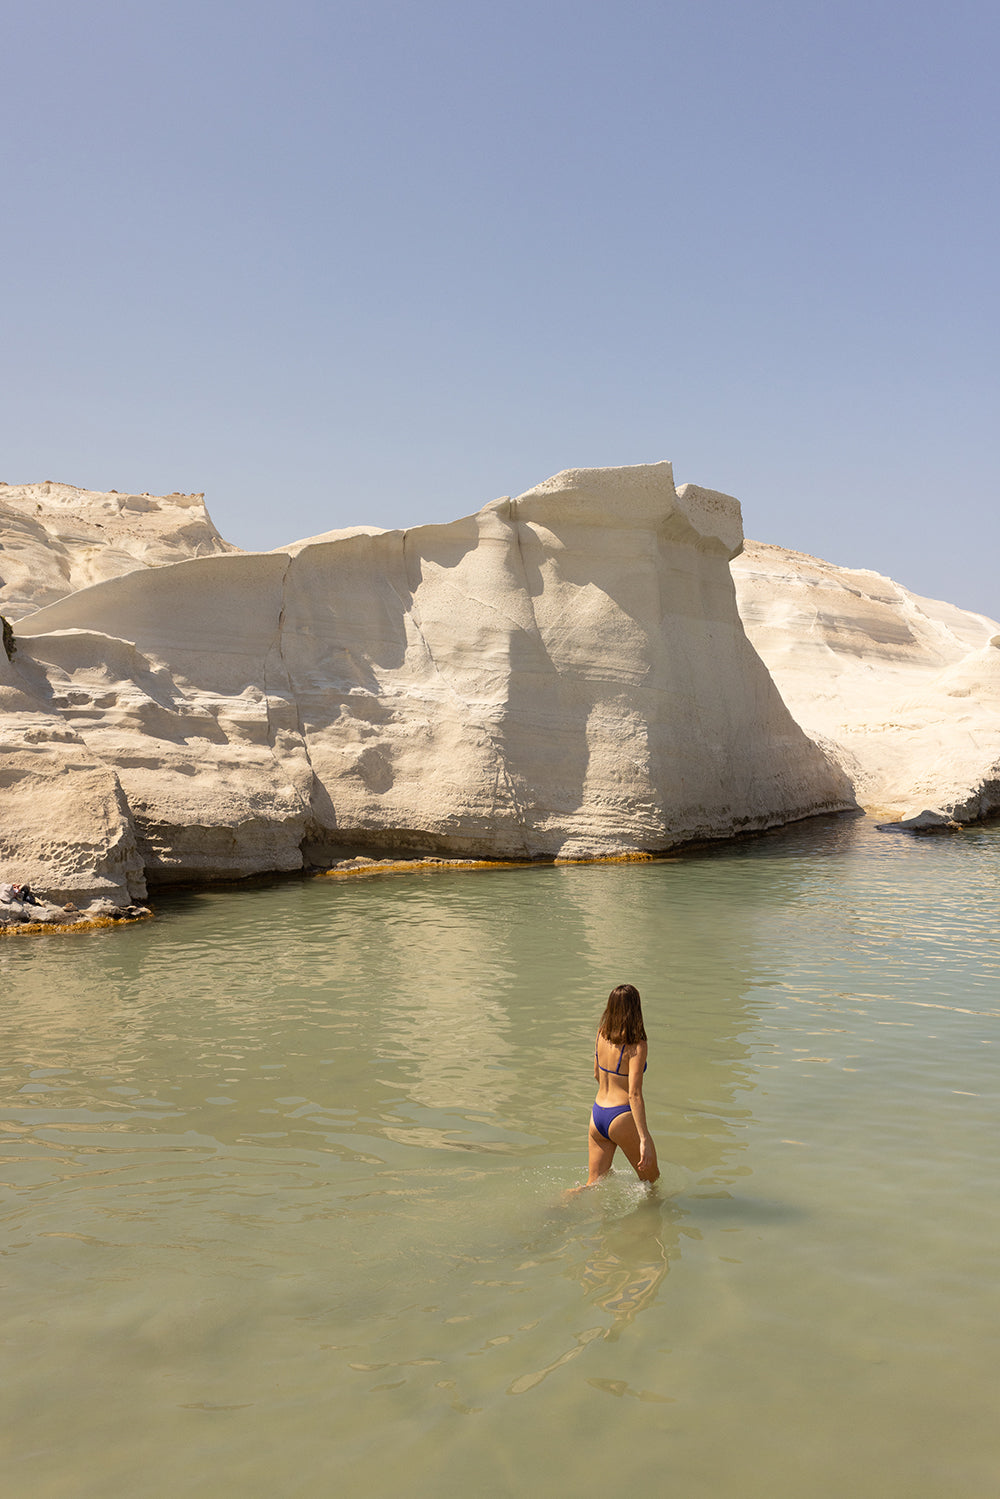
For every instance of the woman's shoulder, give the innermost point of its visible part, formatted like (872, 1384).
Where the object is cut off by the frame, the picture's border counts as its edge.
(637, 1051)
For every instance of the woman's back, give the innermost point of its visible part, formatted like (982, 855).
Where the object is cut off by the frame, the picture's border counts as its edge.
(612, 1062)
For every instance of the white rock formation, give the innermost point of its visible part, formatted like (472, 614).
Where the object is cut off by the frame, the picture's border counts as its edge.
(65, 828)
(55, 539)
(197, 720)
(905, 691)
(564, 674)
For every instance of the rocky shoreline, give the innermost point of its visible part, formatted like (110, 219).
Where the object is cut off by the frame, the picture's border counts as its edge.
(600, 669)
(17, 920)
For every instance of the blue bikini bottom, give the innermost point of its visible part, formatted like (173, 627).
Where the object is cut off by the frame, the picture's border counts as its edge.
(603, 1117)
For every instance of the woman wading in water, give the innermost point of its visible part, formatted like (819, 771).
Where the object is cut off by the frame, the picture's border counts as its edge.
(619, 1118)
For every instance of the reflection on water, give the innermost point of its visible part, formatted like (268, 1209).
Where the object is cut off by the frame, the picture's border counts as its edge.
(628, 1260)
(285, 1173)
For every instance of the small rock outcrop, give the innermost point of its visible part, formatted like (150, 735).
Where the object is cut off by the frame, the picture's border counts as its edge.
(564, 674)
(56, 539)
(904, 691)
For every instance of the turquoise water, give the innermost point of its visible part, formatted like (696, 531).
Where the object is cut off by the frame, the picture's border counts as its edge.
(284, 1176)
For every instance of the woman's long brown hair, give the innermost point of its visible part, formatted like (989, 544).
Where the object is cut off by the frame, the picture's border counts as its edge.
(621, 1023)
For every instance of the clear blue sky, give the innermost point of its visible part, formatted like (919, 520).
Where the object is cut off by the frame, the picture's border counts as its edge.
(352, 262)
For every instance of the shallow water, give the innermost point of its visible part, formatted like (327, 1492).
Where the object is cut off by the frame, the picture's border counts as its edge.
(285, 1171)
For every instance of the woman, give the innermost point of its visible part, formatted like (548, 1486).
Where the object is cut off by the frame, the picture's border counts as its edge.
(619, 1117)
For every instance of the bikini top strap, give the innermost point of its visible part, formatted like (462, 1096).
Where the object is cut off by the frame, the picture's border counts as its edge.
(617, 1070)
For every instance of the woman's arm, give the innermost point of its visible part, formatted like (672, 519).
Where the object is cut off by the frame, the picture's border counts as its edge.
(636, 1067)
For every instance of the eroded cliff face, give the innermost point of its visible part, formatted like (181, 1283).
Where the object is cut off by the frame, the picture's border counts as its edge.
(562, 674)
(65, 827)
(57, 539)
(566, 669)
(903, 691)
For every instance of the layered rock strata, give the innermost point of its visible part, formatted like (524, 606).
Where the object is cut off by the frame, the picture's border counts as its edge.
(56, 539)
(563, 674)
(904, 691)
(65, 827)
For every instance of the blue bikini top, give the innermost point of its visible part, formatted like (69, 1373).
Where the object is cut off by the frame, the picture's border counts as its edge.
(615, 1071)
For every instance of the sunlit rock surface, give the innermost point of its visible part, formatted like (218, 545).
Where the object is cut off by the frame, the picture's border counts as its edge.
(561, 674)
(55, 539)
(905, 691)
(65, 827)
